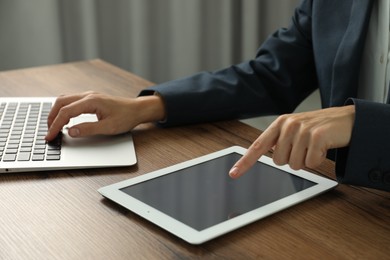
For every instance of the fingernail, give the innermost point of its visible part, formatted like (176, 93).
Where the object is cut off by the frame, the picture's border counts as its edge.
(74, 132)
(233, 172)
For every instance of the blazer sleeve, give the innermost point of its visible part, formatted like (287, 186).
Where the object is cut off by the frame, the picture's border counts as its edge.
(366, 161)
(280, 76)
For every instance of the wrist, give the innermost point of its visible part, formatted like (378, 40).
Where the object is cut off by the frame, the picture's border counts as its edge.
(151, 108)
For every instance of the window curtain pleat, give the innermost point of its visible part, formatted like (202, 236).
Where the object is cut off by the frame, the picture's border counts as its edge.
(159, 40)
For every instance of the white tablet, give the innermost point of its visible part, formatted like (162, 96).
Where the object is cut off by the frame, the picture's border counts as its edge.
(197, 200)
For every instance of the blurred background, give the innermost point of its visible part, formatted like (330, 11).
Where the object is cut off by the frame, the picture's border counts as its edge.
(159, 40)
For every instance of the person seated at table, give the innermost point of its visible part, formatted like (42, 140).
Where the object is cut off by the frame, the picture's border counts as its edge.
(340, 47)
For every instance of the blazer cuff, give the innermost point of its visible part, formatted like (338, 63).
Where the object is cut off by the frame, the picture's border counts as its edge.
(365, 161)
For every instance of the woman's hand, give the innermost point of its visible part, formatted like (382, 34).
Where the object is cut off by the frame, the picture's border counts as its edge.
(302, 139)
(115, 114)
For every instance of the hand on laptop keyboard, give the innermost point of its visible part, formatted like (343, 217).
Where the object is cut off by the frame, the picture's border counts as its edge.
(115, 115)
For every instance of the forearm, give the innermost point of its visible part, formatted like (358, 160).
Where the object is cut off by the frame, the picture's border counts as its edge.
(280, 76)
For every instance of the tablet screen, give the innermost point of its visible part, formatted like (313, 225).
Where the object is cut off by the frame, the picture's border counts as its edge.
(204, 195)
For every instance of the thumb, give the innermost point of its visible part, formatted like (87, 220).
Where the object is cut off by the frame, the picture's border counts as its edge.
(86, 129)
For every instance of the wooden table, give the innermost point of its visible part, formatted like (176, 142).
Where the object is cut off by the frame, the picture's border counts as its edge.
(60, 215)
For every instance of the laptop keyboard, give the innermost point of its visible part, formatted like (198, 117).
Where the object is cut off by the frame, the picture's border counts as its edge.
(23, 127)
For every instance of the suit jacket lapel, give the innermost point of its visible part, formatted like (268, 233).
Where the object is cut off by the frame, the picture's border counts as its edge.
(349, 53)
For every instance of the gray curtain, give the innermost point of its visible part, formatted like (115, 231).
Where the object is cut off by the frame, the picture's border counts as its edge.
(156, 39)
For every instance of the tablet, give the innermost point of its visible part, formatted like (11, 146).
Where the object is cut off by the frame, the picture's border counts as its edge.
(197, 200)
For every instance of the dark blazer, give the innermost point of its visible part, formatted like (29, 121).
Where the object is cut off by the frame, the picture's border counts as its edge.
(322, 48)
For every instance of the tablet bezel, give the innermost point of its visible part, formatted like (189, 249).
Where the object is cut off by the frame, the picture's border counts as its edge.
(193, 236)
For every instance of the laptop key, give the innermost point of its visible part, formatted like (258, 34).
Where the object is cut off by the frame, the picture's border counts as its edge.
(11, 151)
(53, 152)
(13, 146)
(39, 151)
(50, 157)
(38, 157)
(53, 147)
(40, 147)
(24, 156)
(9, 157)
(25, 149)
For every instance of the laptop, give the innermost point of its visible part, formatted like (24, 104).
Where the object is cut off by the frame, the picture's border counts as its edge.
(23, 126)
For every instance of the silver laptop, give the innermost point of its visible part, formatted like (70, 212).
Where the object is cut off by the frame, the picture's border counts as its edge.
(23, 126)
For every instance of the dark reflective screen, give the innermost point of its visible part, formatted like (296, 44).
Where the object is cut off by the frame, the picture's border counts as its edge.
(204, 195)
